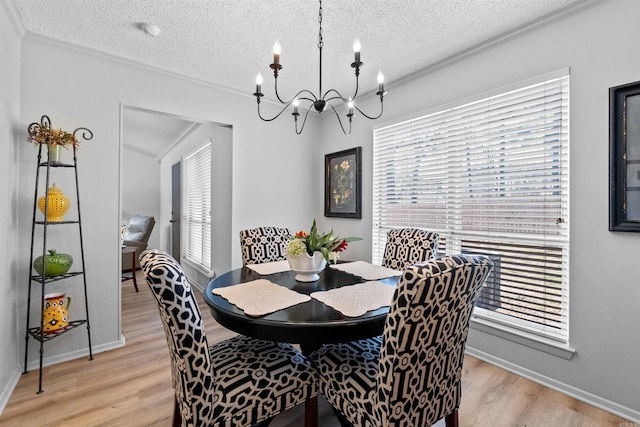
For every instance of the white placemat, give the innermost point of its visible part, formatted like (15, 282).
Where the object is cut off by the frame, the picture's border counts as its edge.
(355, 300)
(270, 267)
(367, 270)
(260, 297)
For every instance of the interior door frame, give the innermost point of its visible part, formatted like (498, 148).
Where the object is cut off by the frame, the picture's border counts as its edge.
(176, 210)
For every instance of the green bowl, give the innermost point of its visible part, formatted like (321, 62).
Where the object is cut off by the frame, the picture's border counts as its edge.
(55, 264)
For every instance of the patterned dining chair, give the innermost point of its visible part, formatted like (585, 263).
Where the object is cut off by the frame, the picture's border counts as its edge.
(409, 376)
(237, 382)
(409, 246)
(264, 244)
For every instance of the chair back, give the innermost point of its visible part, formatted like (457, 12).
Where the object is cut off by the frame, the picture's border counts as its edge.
(424, 340)
(264, 244)
(184, 330)
(409, 246)
(139, 228)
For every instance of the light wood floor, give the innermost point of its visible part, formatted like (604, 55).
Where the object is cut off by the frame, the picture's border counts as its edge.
(131, 386)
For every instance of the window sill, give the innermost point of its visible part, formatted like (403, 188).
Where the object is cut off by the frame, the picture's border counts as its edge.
(201, 269)
(521, 337)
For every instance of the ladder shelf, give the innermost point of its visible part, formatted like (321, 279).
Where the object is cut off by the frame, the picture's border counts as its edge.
(38, 333)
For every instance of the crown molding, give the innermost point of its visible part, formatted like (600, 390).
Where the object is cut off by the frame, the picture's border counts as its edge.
(188, 130)
(546, 20)
(14, 17)
(38, 38)
(139, 151)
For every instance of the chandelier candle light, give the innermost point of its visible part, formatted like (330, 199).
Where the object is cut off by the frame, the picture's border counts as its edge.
(323, 100)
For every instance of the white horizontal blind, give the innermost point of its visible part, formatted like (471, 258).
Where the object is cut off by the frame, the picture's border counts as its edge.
(491, 176)
(196, 207)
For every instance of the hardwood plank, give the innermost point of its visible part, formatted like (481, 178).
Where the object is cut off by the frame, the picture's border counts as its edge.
(131, 386)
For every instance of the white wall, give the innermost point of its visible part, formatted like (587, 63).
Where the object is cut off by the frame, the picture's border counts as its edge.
(599, 46)
(270, 182)
(12, 276)
(141, 189)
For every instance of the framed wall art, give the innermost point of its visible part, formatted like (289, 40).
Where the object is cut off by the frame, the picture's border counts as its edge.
(343, 184)
(624, 157)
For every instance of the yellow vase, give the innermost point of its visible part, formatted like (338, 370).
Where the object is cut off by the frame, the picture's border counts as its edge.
(57, 202)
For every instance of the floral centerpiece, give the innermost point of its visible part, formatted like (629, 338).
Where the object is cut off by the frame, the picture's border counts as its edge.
(309, 253)
(327, 244)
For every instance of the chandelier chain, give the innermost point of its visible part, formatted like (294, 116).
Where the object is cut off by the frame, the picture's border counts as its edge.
(320, 41)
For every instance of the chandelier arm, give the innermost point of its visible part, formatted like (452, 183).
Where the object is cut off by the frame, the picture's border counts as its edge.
(277, 94)
(296, 96)
(304, 121)
(274, 117)
(338, 96)
(371, 117)
(340, 121)
(357, 86)
(307, 99)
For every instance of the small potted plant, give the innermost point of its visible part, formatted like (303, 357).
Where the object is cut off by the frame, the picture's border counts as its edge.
(44, 133)
(309, 253)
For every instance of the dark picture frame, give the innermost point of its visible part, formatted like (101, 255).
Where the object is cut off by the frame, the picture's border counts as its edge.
(343, 184)
(624, 157)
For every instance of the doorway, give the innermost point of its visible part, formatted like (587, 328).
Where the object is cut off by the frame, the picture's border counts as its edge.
(152, 145)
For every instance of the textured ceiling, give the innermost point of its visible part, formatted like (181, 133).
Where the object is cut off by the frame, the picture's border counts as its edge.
(226, 42)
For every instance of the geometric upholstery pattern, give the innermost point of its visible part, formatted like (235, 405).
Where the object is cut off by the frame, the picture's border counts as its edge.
(409, 376)
(236, 382)
(409, 246)
(264, 244)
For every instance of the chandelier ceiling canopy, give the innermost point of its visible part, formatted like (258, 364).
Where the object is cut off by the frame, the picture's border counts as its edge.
(307, 99)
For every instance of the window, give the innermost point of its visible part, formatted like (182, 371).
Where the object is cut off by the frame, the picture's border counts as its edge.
(196, 207)
(491, 176)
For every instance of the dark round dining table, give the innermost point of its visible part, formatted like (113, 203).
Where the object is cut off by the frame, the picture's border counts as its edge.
(309, 324)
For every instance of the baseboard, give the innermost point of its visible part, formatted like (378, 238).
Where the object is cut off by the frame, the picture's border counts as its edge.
(576, 393)
(197, 286)
(72, 355)
(7, 390)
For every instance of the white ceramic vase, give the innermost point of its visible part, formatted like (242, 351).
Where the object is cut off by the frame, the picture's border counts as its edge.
(54, 153)
(307, 266)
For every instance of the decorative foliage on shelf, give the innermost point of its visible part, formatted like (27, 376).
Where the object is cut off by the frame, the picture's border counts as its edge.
(327, 244)
(43, 133)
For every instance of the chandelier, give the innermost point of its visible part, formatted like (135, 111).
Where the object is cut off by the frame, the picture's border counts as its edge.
(322, 101)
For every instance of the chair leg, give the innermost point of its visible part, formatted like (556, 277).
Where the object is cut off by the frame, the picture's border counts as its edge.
(264, 423)
(451, 420)
(311, 412)
(344, 422)
(177, 417)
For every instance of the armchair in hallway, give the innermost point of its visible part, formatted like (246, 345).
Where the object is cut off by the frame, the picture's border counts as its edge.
(136, 235)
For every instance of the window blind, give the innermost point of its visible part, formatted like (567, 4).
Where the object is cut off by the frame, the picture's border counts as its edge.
(491, 176)
(196, 207)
